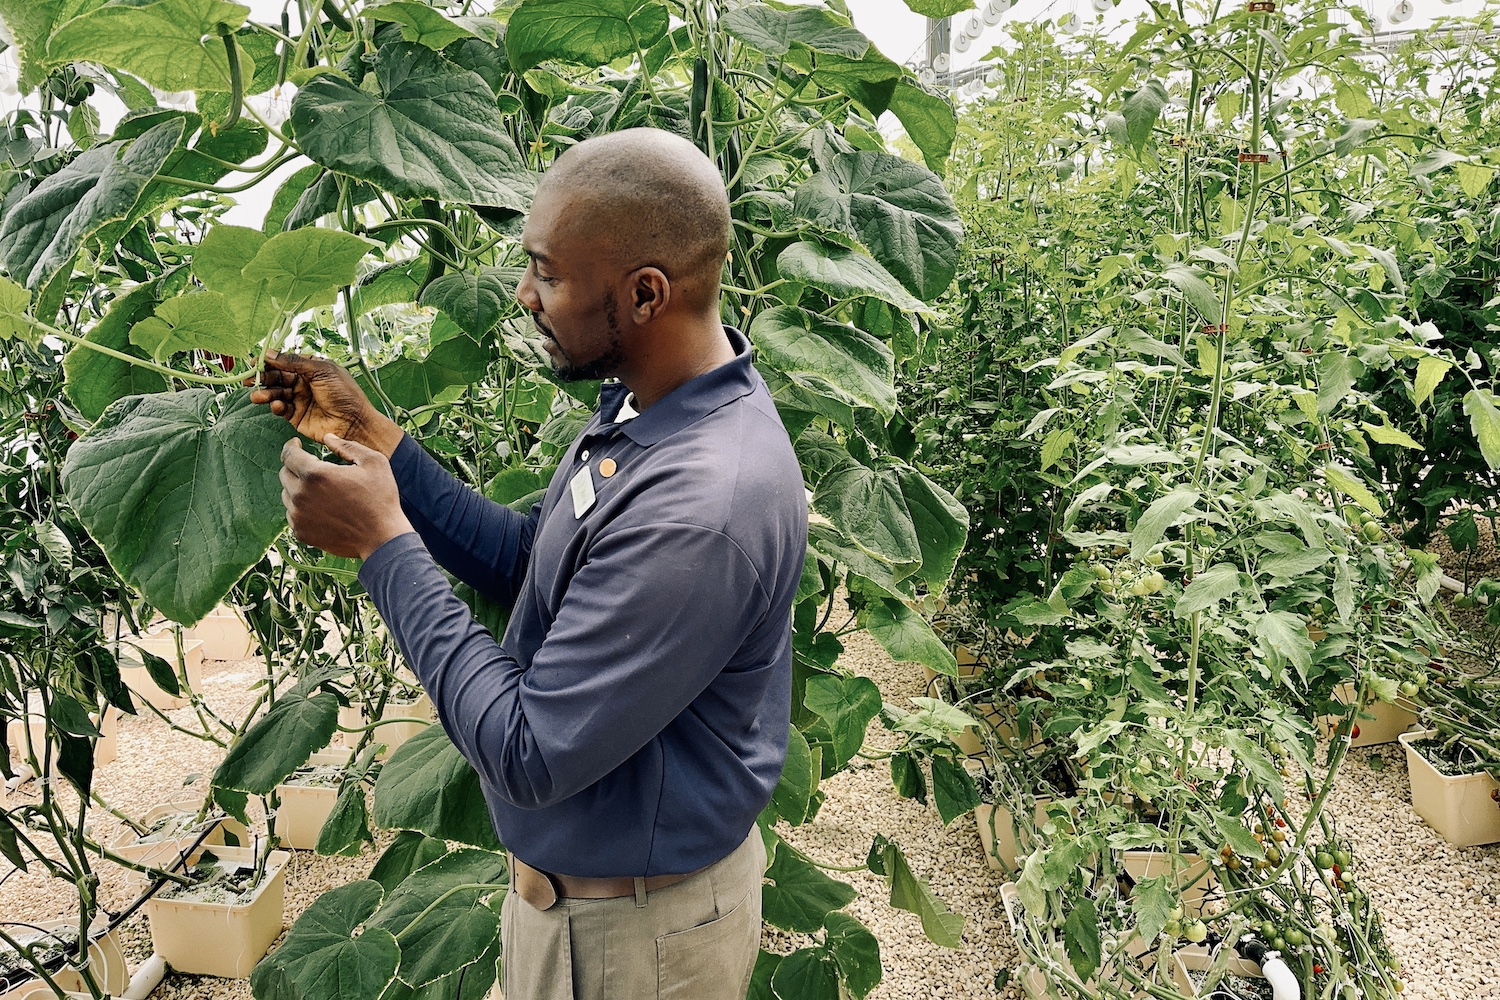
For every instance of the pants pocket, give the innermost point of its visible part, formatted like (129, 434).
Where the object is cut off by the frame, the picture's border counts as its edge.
(698, 963)
(536, 951)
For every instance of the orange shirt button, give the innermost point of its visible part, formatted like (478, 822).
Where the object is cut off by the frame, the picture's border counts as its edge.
(607, 468)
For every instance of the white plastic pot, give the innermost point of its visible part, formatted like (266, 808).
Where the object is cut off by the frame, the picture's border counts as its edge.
(162, 853)
(413, 717)
(106, 963)
(305, 808)
(1460, 807)
(1387, 723)
(225, 635)
(164, 645)
(221, 939)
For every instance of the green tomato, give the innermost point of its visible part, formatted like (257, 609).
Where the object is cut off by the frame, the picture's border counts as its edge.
(1371, 531)
(1175, 913)
(1324, 860)
(1343, 858)
(1101, 571)
(1196, 932)
(1410, 688)
(1267, 930)
(1172, 929)
(1295, 938)
(1155, 559)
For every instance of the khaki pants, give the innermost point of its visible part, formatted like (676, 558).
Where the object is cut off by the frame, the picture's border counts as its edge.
(695, 940)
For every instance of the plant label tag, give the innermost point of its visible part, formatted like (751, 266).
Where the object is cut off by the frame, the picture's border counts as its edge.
(582, 488)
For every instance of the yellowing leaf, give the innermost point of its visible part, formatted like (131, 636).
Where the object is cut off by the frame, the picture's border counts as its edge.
(1474, 178)
(1348, 484)
(1390, 435)
(1054, 446)
(1484, 418)
(14, 322)
(1430, 371)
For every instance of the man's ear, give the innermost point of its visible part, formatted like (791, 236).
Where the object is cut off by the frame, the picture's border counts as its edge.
(650, 291)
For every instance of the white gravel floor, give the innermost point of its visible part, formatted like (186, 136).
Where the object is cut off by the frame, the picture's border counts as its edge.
(1441, 904)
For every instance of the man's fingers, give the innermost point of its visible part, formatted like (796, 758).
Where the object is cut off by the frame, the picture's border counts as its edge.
(350, 451)
(296, 461)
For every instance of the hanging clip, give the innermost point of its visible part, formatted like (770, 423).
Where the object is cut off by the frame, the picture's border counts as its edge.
(1261, 6)
(1255, 157)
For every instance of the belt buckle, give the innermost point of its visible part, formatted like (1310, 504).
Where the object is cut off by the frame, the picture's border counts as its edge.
(535, 886)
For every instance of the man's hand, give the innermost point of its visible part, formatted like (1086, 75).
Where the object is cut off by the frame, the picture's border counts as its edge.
(319, 398)
(345, 510)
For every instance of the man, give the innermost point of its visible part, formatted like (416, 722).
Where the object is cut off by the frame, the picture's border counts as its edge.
(632, 722)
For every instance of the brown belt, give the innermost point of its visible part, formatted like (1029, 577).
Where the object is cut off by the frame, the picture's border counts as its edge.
(543, 889)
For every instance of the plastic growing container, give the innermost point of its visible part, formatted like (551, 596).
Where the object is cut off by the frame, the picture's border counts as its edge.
(206, 938)
(162, 853)
(997, 832)
(106, 962)
(1460, 808)
(392, 734)
(139, 681)
(225, 635)
(105, 750)
(305, 808)
(1389, 720)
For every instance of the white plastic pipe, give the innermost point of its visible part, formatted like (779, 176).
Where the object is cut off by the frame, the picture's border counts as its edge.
(146, 979)
(1283, 981)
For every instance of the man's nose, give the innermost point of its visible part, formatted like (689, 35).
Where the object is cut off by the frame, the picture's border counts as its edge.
(526, 292)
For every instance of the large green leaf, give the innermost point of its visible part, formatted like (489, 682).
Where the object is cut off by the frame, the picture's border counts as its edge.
(431, 130)
(44, 230)
(408, 852)
(807, 974)
(799, 779)
(906, 635)
(427, 786)
(442, 927)
(94, 379)
(829, 358)
(929, 120)
(844, 274)
(867, 505)
(218, 263)
(774, 31)
(1081, 938)
(953, 790)
(846, 704)
(939, 8)
(423, 24)
(409, 384)
(798, 896)
(588, 32)
(194, 321)
(856, 951)
(29, 23)
(278, 743)
(941, 524)
(475, 300)
(324, 956)
(306, 267)
(171, 44)
(181, 492)
(911, 894)
(1141, 110)
(896, 208)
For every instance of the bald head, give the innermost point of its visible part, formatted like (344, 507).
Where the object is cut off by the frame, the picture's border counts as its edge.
(645, 197)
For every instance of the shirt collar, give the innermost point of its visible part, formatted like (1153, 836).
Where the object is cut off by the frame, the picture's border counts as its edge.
(686, 404)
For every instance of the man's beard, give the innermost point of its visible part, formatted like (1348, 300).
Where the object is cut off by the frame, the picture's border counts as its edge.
(602, 367)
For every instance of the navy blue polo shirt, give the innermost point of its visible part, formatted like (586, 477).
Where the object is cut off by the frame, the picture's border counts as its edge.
(633, 718)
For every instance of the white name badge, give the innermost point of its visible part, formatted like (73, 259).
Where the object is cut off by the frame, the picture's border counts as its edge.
(582, 487)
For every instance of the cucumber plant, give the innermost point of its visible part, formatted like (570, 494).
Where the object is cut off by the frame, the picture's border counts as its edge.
(417, 135)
